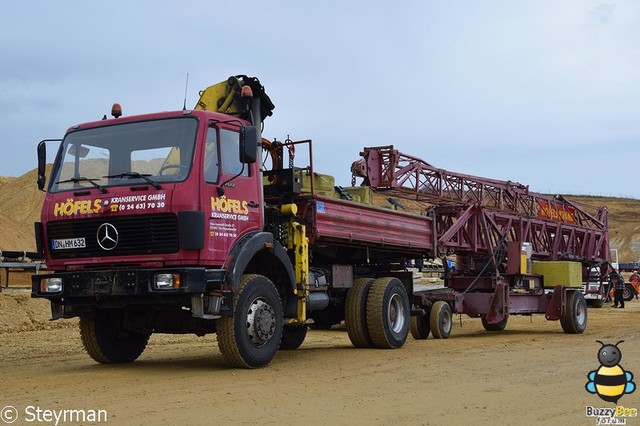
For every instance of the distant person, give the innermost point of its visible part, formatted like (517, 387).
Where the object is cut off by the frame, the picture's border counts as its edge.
(617, 282)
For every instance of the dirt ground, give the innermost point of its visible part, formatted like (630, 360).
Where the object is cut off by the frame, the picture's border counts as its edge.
(532, 373)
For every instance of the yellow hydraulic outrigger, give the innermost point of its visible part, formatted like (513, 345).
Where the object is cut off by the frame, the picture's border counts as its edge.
(298, 242)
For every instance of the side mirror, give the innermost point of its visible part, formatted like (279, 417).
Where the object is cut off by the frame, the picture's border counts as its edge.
(42, 164)
(248, 144)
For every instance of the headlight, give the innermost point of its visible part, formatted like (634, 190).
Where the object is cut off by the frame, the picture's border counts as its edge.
(166, 281)
(51, 285)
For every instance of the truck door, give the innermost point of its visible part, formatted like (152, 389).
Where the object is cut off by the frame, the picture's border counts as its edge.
(237, 211)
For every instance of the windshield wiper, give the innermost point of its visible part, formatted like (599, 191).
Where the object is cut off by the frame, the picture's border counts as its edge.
(133, 175)
(92, 181)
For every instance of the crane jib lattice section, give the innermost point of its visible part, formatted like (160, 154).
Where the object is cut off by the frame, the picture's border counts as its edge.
(472, 214)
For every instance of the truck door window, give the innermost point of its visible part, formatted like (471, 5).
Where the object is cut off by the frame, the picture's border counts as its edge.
(230, 148)
(211, 162)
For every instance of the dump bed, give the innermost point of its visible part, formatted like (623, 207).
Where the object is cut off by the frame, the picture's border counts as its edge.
(348, 223)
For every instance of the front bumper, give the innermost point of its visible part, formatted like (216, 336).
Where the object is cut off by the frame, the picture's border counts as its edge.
(85, 287)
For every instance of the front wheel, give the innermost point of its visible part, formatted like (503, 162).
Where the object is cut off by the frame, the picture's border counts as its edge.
(441, 320)
(574, 321)
(388, 313)
(105, 339)
(251, 337)
(293, 336)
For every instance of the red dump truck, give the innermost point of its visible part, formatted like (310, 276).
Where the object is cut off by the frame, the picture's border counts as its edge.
(189, 222)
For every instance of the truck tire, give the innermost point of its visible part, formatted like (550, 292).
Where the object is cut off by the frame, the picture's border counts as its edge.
(574, 320)
(596, 303)
(327, 317)
(355, 311)
(388, 313)
(628, 293)
(293, 336)
(420, 327)
(441, 320)
(251, 337)
(105, 340)
(494, 327)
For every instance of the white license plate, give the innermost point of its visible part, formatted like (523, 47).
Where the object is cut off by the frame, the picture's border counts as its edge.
(69, 243)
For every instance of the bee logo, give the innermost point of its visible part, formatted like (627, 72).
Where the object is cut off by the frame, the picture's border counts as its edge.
(610, 381)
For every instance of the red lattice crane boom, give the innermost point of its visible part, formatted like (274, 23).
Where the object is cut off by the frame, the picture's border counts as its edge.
(473, 214)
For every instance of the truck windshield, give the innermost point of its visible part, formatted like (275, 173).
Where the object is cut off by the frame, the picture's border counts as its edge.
(146, 152)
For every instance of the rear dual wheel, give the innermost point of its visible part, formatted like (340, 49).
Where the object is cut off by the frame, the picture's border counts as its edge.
(388, 313)
(377, 313)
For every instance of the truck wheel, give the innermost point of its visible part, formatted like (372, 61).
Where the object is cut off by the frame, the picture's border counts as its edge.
(251, 337)
(388, 313)
(327, 317)
(420, 327)
(106, 341)
(293, 336)
(441, 320)
(628, 293)
(355, 311)
(574, 320)
(597, 303)
(494, 327)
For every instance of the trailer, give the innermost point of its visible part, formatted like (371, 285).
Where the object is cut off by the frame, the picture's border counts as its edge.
(190, 222)
(519, 252)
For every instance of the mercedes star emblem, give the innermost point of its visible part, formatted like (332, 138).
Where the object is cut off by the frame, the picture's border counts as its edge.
(107, 236)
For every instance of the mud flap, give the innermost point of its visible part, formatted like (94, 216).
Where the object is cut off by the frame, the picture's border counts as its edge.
(499, 306)
(557, 305)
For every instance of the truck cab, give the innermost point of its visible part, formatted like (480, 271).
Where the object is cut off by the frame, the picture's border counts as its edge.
(149, 224)
(164, 189)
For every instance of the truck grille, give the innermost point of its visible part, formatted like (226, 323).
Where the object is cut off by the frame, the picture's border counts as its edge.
(140, 234)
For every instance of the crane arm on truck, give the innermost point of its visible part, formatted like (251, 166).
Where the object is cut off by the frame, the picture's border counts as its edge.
(226, 97)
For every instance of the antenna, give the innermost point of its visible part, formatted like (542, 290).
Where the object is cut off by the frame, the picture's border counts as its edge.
(186, 85)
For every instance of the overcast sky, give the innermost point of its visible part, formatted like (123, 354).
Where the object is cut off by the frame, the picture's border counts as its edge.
(546, 93)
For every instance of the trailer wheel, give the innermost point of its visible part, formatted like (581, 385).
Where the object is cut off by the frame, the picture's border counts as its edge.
(574, 321)
(628, 293)
(388, 313)
(355, 312)
(494, 327)
(106, 341)
(420, 327)
(441, 320)
(293, 336)
(251, 337)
